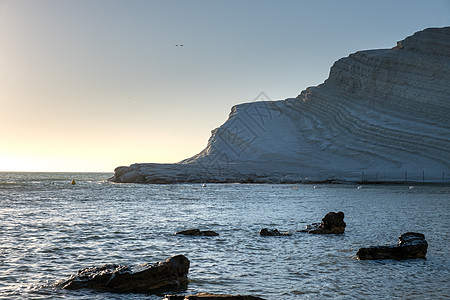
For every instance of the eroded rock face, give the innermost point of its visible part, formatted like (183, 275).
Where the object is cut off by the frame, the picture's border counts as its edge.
(392, 104)
(333, 222)
(197, 232)
(411, 245)
(145, 278)
(208, 296)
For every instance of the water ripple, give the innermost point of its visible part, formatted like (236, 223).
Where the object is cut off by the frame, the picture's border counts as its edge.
(49, 230)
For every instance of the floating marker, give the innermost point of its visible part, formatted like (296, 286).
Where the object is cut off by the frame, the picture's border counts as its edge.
(73, 181)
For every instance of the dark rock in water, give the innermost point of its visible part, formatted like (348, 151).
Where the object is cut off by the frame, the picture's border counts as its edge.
(410, 245)
(208, 296)
(208, 233)
(198, 232)
(272, 232)
(145, 278)
(332, 223)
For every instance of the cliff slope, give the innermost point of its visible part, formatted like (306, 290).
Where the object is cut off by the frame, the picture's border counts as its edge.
(382, 115)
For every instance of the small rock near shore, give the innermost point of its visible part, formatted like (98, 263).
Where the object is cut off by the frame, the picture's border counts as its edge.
(272, 232)
(410, 245)
(333, 222)
(197, 232)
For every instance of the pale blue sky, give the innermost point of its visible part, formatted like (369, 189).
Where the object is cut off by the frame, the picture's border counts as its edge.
(90, 85)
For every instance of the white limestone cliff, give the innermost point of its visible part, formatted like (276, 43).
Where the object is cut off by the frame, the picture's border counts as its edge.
(382, 115)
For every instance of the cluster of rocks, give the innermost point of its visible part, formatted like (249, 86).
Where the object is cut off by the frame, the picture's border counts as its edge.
(172, 273)
(411, 244)
(332, 223)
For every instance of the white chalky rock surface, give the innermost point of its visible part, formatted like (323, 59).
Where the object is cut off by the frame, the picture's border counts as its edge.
(382, 115)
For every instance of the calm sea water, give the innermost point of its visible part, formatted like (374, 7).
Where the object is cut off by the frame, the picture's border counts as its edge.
(49, 229)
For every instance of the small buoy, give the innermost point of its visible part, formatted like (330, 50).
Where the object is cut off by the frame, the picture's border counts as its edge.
(73, 181)
(204, 185)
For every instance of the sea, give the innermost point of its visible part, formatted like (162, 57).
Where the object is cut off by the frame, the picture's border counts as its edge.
(50, 228)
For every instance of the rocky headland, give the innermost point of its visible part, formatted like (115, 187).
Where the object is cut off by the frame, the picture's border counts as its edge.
(381, 116)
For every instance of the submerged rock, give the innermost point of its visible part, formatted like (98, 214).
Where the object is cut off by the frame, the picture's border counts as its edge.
(332, 223)
(145, 278)
(197, 232)
(208, 296)
(272, 232)
(410, 245)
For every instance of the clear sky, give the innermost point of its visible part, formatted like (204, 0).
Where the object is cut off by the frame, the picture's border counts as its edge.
(91, 85)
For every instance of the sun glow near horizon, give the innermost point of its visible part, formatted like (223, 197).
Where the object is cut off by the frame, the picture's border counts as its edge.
(91, 158)
(77, 163)
(89, 86)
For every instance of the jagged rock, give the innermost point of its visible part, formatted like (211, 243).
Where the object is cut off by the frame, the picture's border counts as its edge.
(197, 232)
(379, 114)
(272, 232)
(145, 278)
(332, 223)
(410, 245)
(208, 296)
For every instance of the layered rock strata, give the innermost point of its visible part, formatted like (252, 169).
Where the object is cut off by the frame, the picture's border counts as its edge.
(381, 116)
